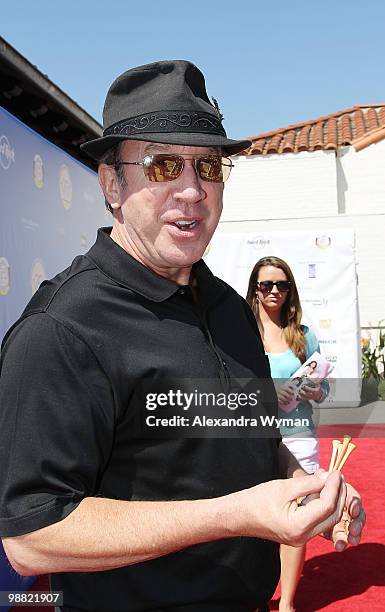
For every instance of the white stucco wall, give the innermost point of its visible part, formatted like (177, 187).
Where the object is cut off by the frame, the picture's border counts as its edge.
(318, 191)
(361, 177)
(281, 186)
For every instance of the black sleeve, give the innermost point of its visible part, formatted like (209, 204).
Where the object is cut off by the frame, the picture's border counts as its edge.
(56, 425)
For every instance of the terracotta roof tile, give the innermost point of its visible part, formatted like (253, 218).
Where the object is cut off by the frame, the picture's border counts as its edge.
(325, 133)
(381, 115)
(372, 120)
(346, 132)
(303, 140)
(359, 123)
(273, 145)
(287, 142)
(318, 135)
(330, 142)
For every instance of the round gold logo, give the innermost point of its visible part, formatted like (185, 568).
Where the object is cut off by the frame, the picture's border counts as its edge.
(65, 186)
(37, 274)
(323, 242)
(38, 171)
(5, 280)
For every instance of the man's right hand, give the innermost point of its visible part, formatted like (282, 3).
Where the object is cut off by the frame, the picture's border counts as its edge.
(270, 510)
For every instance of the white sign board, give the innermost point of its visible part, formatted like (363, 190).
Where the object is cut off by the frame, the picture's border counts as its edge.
(323, 264)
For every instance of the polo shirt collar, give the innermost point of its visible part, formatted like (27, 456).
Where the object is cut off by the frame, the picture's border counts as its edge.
(117, 264)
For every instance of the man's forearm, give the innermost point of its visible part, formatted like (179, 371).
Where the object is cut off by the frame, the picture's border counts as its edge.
(102, 534)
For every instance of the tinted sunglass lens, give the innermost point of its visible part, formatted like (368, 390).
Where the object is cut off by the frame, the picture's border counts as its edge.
(266, 285)
(283, 285)
(210, 169)
(214, 169)
(160, 168)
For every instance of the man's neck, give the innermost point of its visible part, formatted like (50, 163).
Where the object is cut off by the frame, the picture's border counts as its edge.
(180, 276)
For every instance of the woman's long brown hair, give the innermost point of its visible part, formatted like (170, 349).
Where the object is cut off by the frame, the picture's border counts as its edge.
(291, 311)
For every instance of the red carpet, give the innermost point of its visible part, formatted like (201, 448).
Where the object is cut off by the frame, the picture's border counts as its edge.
(351, 581)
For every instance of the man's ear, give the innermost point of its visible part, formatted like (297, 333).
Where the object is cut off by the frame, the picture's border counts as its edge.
(110, 185)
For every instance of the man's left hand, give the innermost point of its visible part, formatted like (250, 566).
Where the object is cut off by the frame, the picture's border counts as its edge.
(351, 525)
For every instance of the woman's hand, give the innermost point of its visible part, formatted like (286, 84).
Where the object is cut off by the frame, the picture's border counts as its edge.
(311, 391)
(285, 394)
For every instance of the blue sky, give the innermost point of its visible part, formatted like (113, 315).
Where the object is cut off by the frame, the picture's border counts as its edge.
(268, 63)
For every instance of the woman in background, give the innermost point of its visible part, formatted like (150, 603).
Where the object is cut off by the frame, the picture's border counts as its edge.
(273, 297)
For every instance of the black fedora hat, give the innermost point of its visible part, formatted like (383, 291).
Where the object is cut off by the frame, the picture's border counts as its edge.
(162, 102)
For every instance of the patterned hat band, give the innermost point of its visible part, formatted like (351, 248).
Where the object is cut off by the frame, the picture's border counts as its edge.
(164, 122)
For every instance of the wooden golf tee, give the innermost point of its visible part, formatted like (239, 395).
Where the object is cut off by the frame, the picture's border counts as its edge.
(336, 444)
(342, 451)
(344, 459)
(340, 454)
(339, 449)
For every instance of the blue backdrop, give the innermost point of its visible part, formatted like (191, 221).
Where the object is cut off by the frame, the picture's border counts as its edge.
(50, 209)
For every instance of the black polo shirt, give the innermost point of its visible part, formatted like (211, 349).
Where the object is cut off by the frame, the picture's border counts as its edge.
(69, 370)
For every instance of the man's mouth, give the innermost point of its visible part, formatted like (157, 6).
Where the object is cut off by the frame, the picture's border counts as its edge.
(186, 225)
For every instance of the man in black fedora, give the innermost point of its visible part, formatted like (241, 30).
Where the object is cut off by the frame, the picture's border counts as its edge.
(125, 522)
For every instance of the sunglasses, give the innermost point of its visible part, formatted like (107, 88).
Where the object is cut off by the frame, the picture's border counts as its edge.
(266, 286)
(167, 167)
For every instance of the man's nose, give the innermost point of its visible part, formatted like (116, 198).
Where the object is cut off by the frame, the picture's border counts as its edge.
(188, 186)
